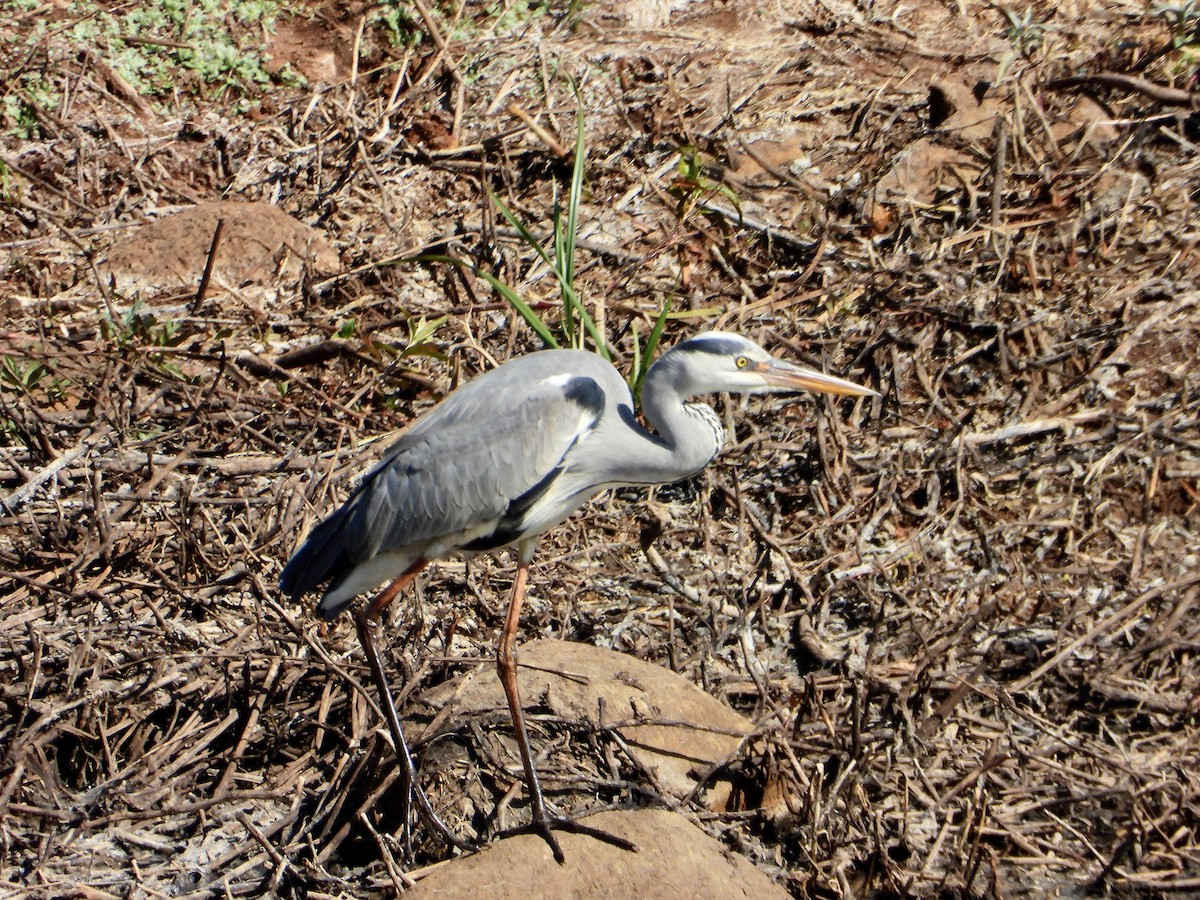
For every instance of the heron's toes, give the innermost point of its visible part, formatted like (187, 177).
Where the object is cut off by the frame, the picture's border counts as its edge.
(575, 827)
(546, 826)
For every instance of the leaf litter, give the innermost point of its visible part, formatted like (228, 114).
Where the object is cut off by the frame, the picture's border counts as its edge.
(962, 618)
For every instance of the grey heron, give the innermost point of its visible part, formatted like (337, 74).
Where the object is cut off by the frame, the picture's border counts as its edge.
(503, 459)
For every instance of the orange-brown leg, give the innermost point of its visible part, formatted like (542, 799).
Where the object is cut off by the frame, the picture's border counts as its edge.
(366, 620)
(542, 822)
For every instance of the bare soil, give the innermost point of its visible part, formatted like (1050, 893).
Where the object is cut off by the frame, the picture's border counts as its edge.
(960, 621)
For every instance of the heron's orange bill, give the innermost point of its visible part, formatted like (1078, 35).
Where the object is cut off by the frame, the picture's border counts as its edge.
(785, 375)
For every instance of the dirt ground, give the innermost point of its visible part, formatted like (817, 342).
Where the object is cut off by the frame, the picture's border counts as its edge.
(941, 642)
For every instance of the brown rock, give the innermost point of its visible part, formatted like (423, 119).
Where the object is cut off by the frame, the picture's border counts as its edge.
(259, 244)
(673, 729)
(675, 860)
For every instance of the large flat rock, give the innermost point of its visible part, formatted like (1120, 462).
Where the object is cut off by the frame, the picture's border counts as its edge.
(675, 731)
(674, 859)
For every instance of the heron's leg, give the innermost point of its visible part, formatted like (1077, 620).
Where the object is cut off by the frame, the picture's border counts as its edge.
(365, 620)
(506, 664)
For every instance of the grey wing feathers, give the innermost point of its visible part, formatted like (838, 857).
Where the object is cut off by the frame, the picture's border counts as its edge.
(474, 455)
(462, 465)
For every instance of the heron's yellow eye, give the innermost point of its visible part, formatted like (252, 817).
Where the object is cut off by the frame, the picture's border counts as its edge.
(742, 362)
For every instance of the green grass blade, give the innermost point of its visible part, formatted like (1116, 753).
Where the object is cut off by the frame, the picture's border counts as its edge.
(566, 233)
(589, 324)
(635, 370)
(656, 332)
(575, 198)
(526, 235)
(511, 297)
(647, 356)
(562, 264)
(568, 236)
(518, 303)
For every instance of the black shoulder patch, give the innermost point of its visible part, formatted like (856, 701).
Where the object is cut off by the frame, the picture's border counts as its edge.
(586, 393)
(721, 346)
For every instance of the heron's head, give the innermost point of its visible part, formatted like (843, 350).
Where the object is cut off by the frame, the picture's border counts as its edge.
(719, 361)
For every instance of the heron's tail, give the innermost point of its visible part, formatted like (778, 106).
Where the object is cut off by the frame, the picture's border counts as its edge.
(323, 557)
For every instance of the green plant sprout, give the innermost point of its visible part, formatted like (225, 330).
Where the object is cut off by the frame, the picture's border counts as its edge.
(643, 357)
(1024, 36)
(574, 321)
(29, 375)
(400, 23)
(692, 183)
(138, 326)
(152, 47)
(419, 343)
(419, 334)
(23, 374)
(8, 188)
(137, 329)
(562, 265)
(1184, 19)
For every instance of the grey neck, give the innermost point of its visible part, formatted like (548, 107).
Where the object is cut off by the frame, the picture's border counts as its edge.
(687, 435)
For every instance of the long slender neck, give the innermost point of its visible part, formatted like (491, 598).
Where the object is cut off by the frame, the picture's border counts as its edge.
(688, 435)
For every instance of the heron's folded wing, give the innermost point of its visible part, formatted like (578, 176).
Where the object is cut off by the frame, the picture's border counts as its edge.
(470, 461)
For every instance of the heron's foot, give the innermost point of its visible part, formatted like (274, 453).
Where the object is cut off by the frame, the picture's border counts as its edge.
(545, 826)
